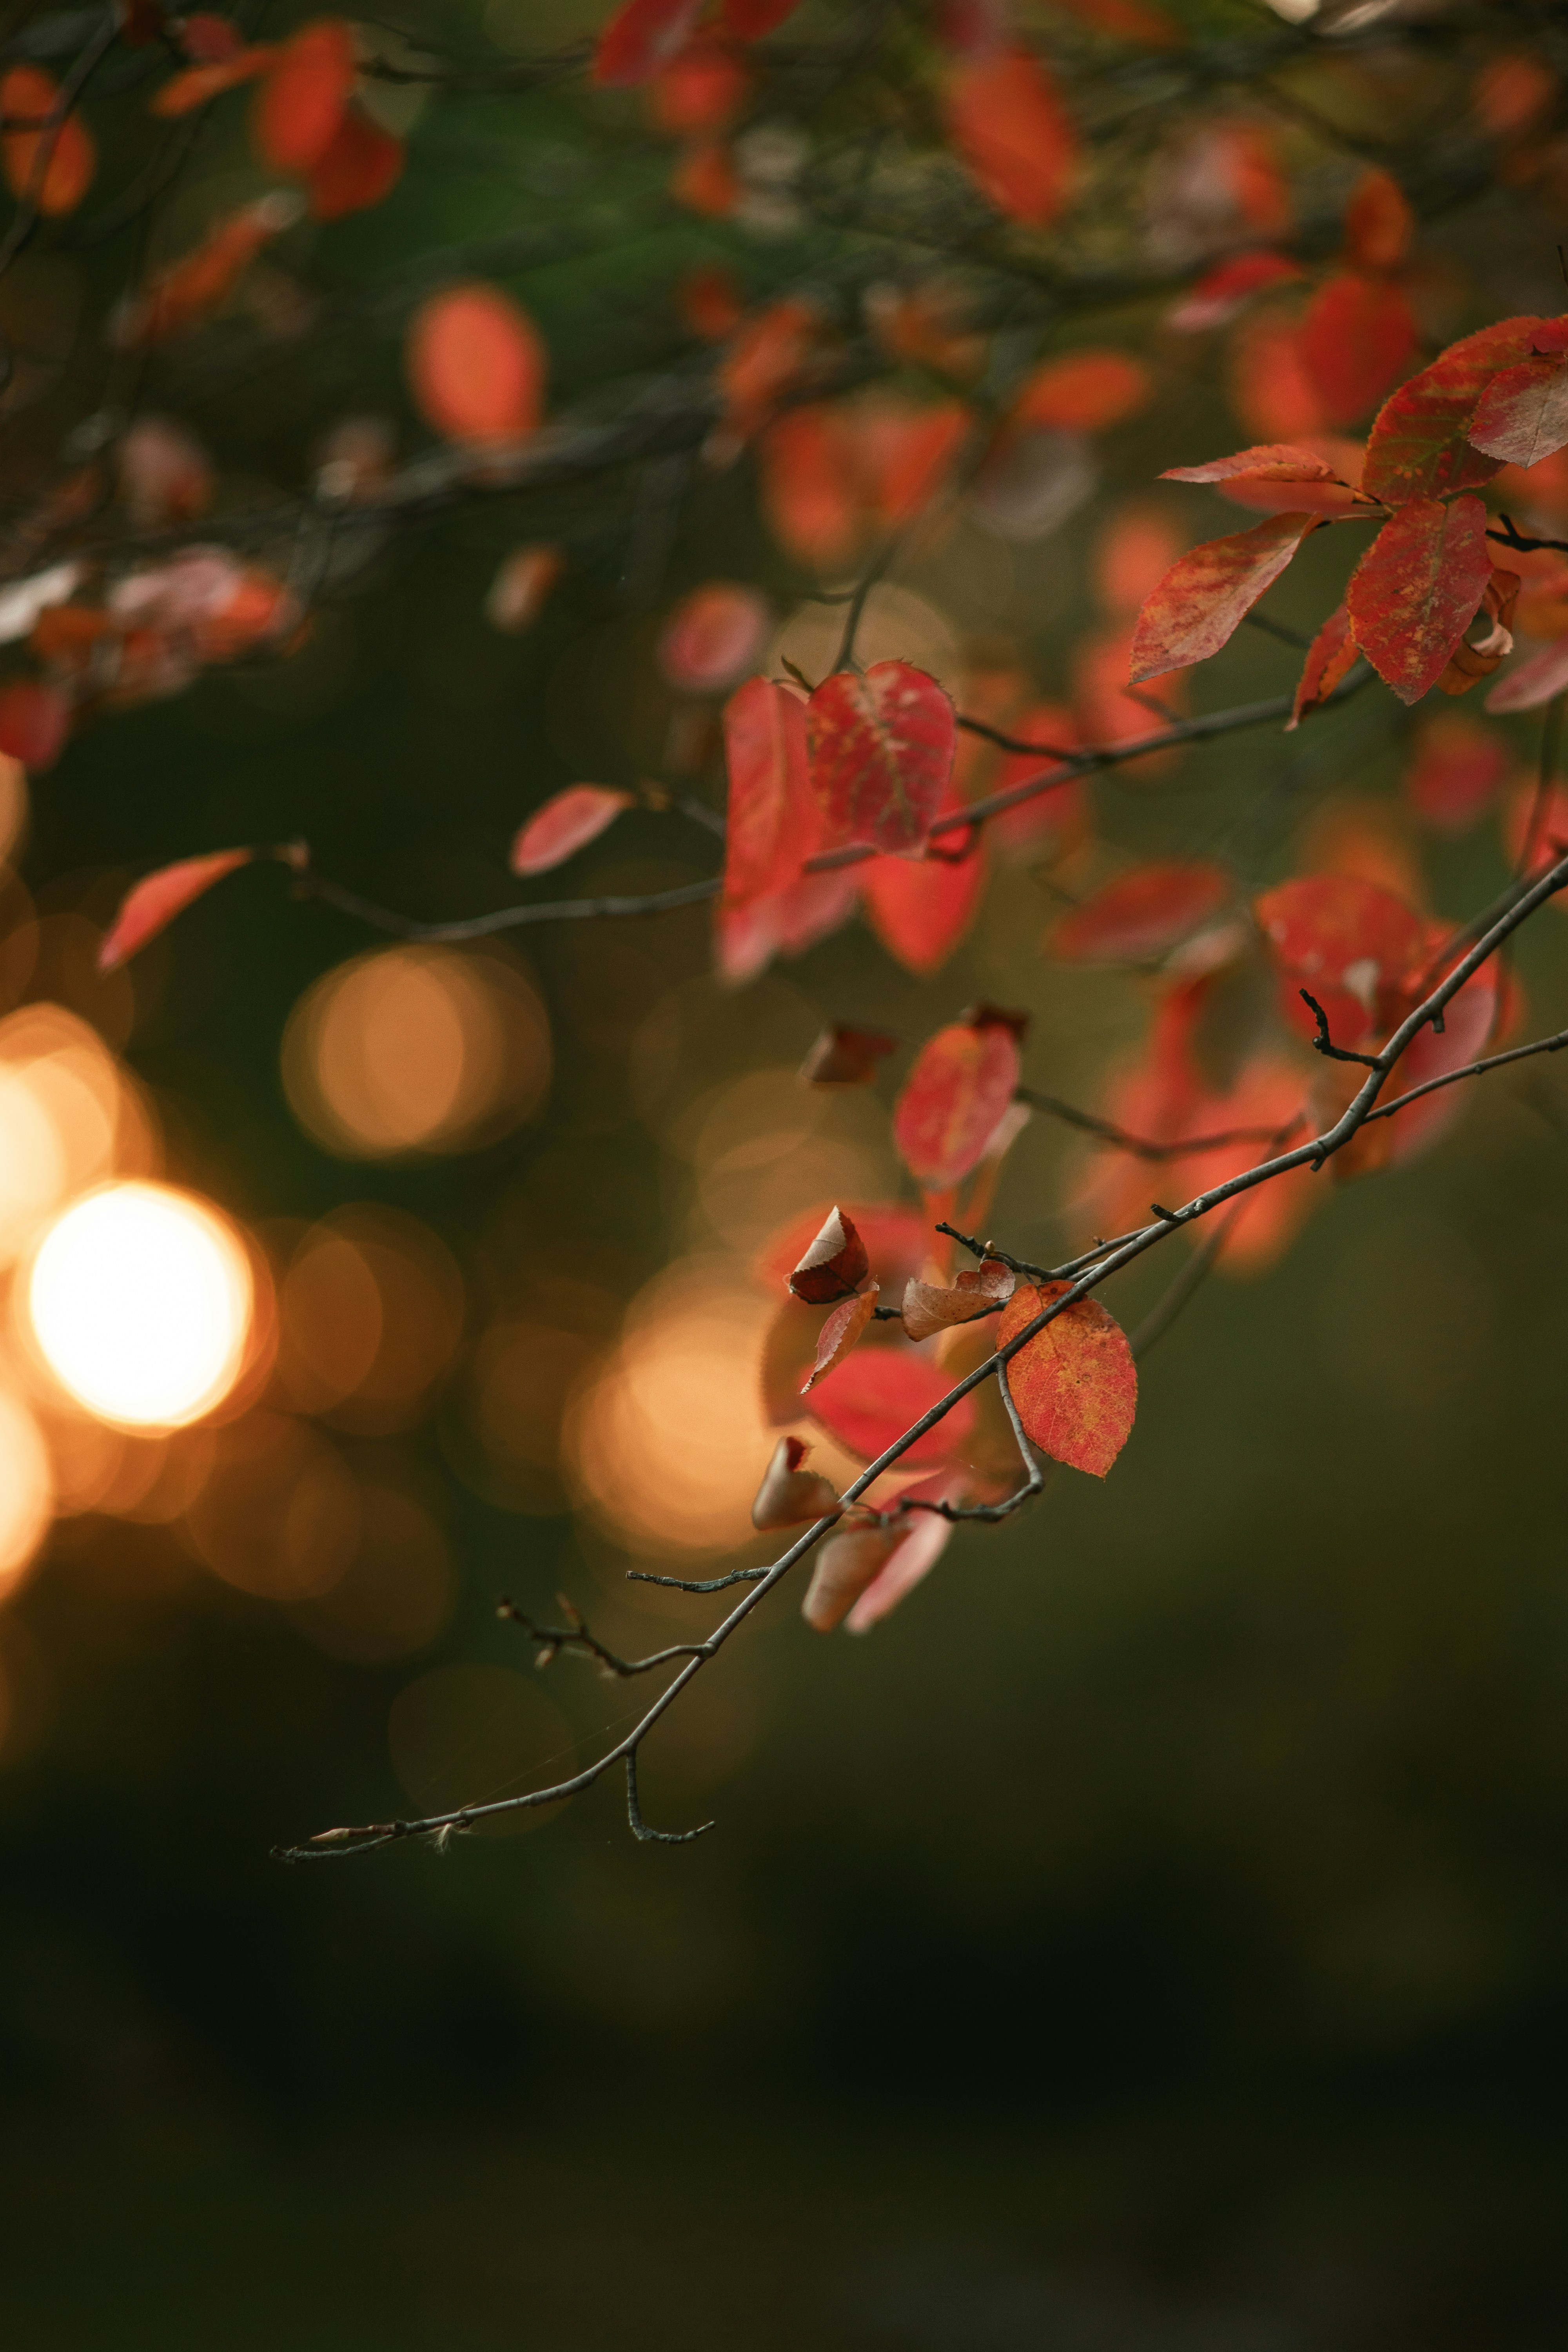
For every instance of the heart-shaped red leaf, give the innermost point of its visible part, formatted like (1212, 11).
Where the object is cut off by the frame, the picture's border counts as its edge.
(881, 747)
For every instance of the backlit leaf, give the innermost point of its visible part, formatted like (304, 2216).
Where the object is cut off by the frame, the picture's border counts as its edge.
(916, 1549)
(1141, 914)
(154, 902)
(789, 1496)
(963, 1081)
(920, 907)
(1008, 122)
(1416, 590)
(1536, 680)
(834, 1265)
(929, 1307)
(641, 37)
(1220, 293)
(1275, 478)
(714, 635)
(476, 364)
(1083, 392)
(568, 822)
(812, 487)
(300, 105)
(1329, 658)
(769, 812)
(1379, 223)
(191, 288)
(1418, 448)
(881, 751)
(64, 154)
(1522, 415)
(34, 720)
(1204, 597)
(1477, 655)
(362, 164)
(1350, 941)
(1075, 1383)
(839, 1333)
(1357, 335)
(877, 1394)
(1458, 771)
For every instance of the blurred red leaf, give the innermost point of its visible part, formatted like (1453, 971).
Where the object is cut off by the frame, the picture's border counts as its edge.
(1008, 124)
(1141, 914)
(640, 37)
(705, 180)
(839, 1333)
(1129, 20)
(714, 635)
(1270, 389)
(1075, 1383)
(905, 451)
(154, 902)
(35, 721)
(476, 364)
(64, 154)
(834, 1265)
(874, 1396)
(1357, 335)
(1512, 92)
(1204, 597)
(1418, 449)
(1351, 942)
(790, 1496)
(1457, 773)
(749, 20)
(362, 165)
(1537, 679)
(1379, 224)
(189, 289)
(200, 83)
(844, 1056)
(1276, 478)
(1329, 658)
(1416, 590)
(768, 357)
(567, 822)
(920, 907)
(769, 825)
(811, 487)
(963, 1079)
(517, 594)
(708, 301)
(700, 89)
(919, 1541)
(1132, 554)
(881, 751)
(209, 39)
(1222, 290)
(301, 103)
(1083, 392)
(930, 1307)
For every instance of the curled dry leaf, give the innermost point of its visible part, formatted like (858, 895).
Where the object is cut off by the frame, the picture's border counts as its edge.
(881, 751)
(155, 901)
(930, 1307)
(1075, 1383)
(1416, 589)
(895, 1237)
(840, 1332)
(789, 1496)
(1204, 598)
(835, 1265)
(844, 1056)
(567, 823)
(1474, 657)
(960, 1084)
(476, 364)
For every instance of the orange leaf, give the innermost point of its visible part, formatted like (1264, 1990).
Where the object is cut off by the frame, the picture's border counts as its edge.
(517, 594)
(199, 84)
(920, 907)
(1008, 123)
(568, 821)
(64, 154)
(189, 289)
(708, 301)
(1418, 447)
(769, 826)
(1458, 772)
(963, 1081)
(835, 1265)
(1357, 335)
(362, 164)
(813, 486)
(1221, 292)
(476, 364)
(705, 180)
(1416, 589)
(1379, 224)
(1350, 940)
(155, 901)
(768, 357)
(1142, 914)
(839, 1333)
(700, 89)
(930, 1307)
(300, 105)
(1329, 657)
(1204, 598)
(790, 1496)
(1083, 392)
(714, 635)
(1075, 1383)
(1276, 478)
(874, 1396)
(881, 751)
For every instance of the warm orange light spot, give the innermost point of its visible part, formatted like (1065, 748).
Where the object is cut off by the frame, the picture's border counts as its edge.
(372, 1310)
(26, 1499)
(140, 1299)
(416, 1049)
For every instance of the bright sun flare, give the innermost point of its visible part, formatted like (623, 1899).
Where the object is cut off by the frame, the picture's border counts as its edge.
(141, 1301)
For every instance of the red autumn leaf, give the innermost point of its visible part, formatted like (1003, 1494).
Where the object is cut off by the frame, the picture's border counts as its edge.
(705, 180)
(769, 356)
(846, 1057)
(201, 83)
(768, 825)
(785, 922)
(362, 163)
(1142, 914)
(517, 594)
(64, 154)
(749, 20)
(1131, 556)
(700, 90)
(844, 1568)
(1458, 772)
(1522, 415)
(1204, 598)
(154, 902)
(1357, 335)
(189, 289)
(1075, 1383)
(1418, 448)
(905, 451)
(1270, 390)
(1350, 941)
(35, 721)
(1379, 224)
(1083, 392)
(568, 822)
(714, 635)
(640, 37)
(812, 487)
(1221, 292)
(917, 1543)
(1129, 20)
(1416, 590)
(1512, 92)
(834, 1265)
(300, 105)
(963, 1081)
(1329, 658)
(790, 1496)
(708, 301)
(839, 1333)
(897, 1242)
(876, 1395)
(1537, 679)
(881, 751)
(930, 1307)
(209, 40)
(1007, 123)
(476, 364)
(1056, 814)
(1275, 478)
(1107, 711)
(920, 907)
